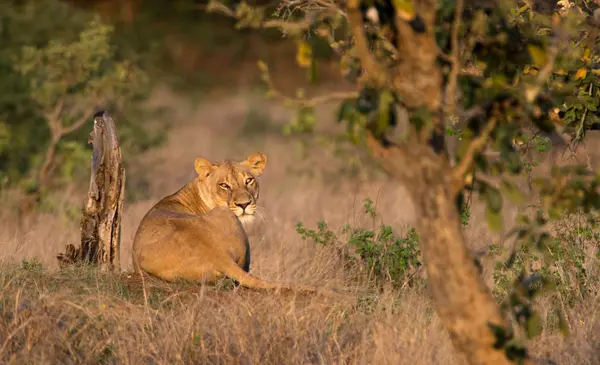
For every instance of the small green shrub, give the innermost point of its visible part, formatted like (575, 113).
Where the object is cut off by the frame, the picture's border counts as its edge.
(32, 265)
(563, 263)
(378, 252)
(322, 235)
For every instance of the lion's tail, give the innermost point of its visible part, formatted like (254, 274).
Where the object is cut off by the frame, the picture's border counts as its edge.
(232, 270)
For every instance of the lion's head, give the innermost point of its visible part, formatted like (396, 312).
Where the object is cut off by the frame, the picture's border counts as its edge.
(231, 184)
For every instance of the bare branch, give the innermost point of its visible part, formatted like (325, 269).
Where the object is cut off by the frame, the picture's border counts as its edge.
(471, 113)
(444, 56)
(47, 164)
(309, 5)
(53, 118)
(79, 123)
(284, 25)
(315, 101)
(217, 7)
(57, 131)
(476, 146)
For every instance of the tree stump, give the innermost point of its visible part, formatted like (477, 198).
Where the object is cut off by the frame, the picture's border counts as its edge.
(101, 215)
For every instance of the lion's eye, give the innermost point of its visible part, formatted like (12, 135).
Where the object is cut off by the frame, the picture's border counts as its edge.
(249, 180)
(224, 186)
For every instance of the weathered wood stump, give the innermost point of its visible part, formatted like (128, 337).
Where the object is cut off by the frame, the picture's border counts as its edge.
(101, 216)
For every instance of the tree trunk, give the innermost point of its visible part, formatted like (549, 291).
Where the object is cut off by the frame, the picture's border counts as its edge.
(101, 219)
(462, 300)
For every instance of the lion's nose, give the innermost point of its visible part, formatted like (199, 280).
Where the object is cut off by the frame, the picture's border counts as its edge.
(243, 205)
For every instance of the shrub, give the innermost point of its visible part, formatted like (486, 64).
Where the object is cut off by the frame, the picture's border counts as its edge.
(376, 251)
(563, 268)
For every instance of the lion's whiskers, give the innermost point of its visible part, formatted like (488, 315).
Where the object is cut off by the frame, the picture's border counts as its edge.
(259, 212)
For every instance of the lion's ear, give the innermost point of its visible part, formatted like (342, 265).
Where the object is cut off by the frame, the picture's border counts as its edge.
(256, 163)
(203, 167)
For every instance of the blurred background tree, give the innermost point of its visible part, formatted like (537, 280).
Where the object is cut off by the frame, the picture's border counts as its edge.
(68, 82)
(58, 64)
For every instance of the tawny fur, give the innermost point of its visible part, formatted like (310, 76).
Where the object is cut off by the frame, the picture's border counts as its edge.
(196, 234)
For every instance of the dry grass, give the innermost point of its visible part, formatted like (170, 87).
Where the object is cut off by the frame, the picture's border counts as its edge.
(79, 316)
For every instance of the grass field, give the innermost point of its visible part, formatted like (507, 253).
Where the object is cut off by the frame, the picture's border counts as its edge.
(80, 316)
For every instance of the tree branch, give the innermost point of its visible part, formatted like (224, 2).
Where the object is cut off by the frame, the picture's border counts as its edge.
(53, 118)
(476, 146)
(47, 164)
(79, 123)
(283, 25)
(317, 100)
(454, 60)
(471, 113)
(368, 61)
(57, 131)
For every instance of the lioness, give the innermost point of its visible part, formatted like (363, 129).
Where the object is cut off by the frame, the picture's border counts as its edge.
(196, 234)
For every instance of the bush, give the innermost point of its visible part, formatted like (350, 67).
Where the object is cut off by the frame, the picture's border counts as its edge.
(564, 271)
(379, 253)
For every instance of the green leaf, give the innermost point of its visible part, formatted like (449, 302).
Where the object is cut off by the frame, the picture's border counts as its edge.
(537, 54)
(465, 142)
(421, 118)
(512, 192)
(510, 157)
(345, 110)
(494, 219)
(493, 198)
(556, 212)
(534, 325)
(385, 104)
